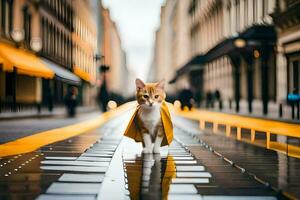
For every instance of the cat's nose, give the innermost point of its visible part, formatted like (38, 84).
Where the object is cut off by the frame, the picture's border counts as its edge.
(150, 103)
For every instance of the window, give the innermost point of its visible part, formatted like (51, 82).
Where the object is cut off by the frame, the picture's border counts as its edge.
(296, 73)
(10, 16)
(27, 26)
(254, 11)
(265, 8)
(51, 40)
(193, 6)
(246, 13)
(43, 35)
(2, 19)
(6, 7)
(238, 16)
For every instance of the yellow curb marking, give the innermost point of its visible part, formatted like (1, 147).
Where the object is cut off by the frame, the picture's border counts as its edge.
(33, 142)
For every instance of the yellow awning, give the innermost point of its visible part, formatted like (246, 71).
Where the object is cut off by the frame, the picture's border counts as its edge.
(25, 62)
(82, 74)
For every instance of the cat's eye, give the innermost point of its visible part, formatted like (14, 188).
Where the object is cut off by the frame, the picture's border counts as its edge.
(156, 96)
(145, 96)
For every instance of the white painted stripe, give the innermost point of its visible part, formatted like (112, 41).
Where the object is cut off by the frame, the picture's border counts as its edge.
(76, 163)
(73, 188)
(74, 168)
(194, 174)
(190, 180)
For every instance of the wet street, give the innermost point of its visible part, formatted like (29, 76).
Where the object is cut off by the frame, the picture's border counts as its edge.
(102, 164)
(14, 129)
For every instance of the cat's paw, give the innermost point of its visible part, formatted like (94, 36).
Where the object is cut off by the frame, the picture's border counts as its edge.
(147, 150)
(156, 150)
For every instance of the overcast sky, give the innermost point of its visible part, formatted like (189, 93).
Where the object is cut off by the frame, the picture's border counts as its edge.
(137, 21)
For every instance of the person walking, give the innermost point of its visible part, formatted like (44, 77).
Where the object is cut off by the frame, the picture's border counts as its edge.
(186, 98)
(71, 101)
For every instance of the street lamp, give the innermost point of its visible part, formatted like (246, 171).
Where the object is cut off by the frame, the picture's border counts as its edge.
(17, 35)
(36, 44)
(256, 53)
(239, 43)
(104, 68)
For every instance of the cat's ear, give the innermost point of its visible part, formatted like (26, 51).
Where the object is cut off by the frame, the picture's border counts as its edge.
(161, 84)
(139, 84)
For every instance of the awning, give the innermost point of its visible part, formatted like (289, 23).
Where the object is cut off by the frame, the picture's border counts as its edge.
(61, 73)
(82, 74)
(194, 64)
(24, 62)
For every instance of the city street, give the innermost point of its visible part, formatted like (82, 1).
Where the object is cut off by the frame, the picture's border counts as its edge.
(102, 164)
(149, 99)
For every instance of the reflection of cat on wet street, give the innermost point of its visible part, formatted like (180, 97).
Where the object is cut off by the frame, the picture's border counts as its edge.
(150, 176)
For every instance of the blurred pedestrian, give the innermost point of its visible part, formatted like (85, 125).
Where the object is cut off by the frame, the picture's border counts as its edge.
(71, 101)
(209, 99)
(218, 99)
(103, 97)
(186, 98)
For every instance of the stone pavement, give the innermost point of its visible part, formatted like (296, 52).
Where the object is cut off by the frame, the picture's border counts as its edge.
(101, 164)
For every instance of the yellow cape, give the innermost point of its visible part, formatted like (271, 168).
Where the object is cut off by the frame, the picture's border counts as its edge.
(133, 131)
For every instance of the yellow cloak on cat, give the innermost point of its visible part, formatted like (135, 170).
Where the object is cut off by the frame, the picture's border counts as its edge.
(133, 131)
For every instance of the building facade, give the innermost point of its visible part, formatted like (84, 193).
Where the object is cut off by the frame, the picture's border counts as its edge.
(85, 37)
(21, 83)
(171, 48)
(287, 23)
(118, 74)
(232, 49)
(240, 78)
(52, 47)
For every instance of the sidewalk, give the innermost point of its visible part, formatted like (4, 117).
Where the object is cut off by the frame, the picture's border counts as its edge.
(273, 111)
(59, 111)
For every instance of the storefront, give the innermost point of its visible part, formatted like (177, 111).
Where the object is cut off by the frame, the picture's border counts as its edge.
(286, 19)
(247, 51)
(55, 90)
(87, 90)
(21, 78)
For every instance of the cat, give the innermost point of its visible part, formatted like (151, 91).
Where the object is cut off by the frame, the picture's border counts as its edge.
(150, 97)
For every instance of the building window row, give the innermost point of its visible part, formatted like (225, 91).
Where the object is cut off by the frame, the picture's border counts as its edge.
(56, 44)
(84, 60)
(247, 12)
(61, 10)
(84, 32)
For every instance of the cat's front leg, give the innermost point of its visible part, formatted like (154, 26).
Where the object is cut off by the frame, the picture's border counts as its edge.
(147, 143)
(157, 144)
(158, 140)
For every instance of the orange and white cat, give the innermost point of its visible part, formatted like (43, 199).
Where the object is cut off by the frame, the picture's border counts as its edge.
(150, 97)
